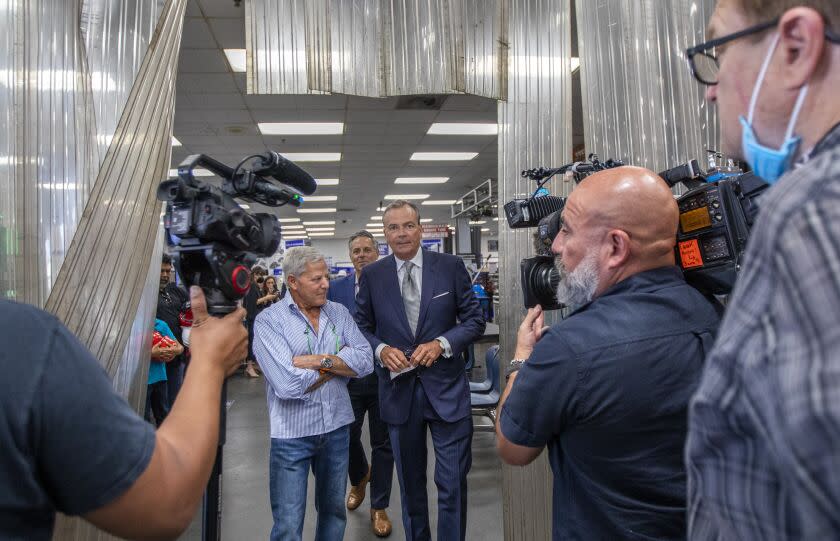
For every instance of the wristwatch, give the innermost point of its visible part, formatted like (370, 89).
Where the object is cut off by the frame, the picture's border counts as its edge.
(515, 365)
(326, 363)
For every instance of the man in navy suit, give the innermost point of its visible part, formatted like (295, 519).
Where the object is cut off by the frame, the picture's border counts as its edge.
(364, 396)
(419, 313)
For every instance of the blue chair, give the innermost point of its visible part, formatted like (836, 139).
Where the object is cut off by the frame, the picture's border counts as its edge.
(484, 404)
(487, 384)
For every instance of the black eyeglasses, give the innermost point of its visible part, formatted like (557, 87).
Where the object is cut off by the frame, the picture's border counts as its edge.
(704, 64)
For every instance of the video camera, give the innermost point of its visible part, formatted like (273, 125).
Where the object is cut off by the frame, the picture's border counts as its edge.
(213, 241)
(716, 216)
(538, 274)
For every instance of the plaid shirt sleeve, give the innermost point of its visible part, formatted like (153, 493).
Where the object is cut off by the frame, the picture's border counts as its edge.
(763, 452)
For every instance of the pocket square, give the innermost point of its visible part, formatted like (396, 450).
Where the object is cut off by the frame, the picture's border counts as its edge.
(441, 295)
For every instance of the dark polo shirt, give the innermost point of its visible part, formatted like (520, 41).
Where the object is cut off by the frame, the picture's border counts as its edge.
(607, 390)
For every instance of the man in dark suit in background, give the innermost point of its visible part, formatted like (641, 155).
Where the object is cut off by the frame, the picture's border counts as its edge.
(364, 396)
(419, 313)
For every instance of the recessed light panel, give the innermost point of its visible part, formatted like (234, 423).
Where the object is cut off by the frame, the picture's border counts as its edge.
(175, 142)
(444, 128)
(312, 156)
(438, 202)
(311, 229)
(326, 181)
(320, 198)
(426, 220)
(316, 211)
(444, 156)
(236, 59)
(301, 128)
(379, 218)
(421, 180)
(322, 234)
(406, 196)
(324, 222)
(285, 220)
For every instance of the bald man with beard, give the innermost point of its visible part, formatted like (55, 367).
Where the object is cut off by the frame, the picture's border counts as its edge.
(607, 389)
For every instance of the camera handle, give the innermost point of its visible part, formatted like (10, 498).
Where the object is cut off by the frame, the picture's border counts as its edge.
(211, 505)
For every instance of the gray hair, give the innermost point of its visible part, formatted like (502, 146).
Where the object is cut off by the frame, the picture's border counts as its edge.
(360, 234)
(400, 203)
(296, 259)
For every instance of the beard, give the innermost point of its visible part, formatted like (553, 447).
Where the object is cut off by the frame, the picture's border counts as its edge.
(577, 287)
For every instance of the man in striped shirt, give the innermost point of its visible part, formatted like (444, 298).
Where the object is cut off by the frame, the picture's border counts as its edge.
(763, 451)
(308, 349)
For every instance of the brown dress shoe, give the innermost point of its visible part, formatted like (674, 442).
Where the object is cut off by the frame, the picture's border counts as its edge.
(380, 522)
(357, 492)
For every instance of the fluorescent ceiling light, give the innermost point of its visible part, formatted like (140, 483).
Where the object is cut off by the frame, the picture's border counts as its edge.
(444, 156)
(438, 202)
(326, 181)
(379, 218)
(311, 229)
(478, 222)
(374, 224)
(421, 180)
(197, 172)
(378, 234)
(381, 209)
(426, 220)
(485, 229)
(406, 196)
(284, 220)
(325, 222)
(244, 206)
(315, 211)
(293, 226)
(320, 198)
(496, 219)
(463, 128)
(236, 59)
(322, 234)
(176, 142)
(575, 64)
(312, 156)
(301, 128)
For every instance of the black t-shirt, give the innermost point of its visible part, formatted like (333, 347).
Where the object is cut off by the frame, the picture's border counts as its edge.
(171, 302)
(607, 390)
(69, 442)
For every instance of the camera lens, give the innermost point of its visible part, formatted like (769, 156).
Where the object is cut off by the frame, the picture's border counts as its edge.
(544, 280)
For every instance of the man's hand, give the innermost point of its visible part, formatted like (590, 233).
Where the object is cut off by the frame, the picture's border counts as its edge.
(220, 342)
(393, 359)
(530, 331)
(165, 354)
(426, 354)
(311, 362)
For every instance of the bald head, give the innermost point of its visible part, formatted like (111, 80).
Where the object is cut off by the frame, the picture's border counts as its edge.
(624, 218)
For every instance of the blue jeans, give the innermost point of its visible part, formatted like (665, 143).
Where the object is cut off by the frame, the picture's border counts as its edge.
(289, 464)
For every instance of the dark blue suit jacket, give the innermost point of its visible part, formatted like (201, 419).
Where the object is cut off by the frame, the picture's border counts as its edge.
(448, 308)
(343, 291)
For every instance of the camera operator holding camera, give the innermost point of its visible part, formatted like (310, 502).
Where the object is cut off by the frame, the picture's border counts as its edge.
(607, 389)
(71, 444)
(764, 432)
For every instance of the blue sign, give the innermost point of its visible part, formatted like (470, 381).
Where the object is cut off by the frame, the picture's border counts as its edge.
(295, 242)
(435, 245)
(383, 248)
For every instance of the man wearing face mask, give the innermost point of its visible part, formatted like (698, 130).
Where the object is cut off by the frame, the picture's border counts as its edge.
(607, 389)
(763, 451)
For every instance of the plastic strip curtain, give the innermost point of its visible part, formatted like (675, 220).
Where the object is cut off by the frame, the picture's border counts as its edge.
(377, 47)
(118, 229)
(534, 129)
(640, 101)
(47, 155)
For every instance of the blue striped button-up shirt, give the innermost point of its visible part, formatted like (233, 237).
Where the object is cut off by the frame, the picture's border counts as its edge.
(282, 332)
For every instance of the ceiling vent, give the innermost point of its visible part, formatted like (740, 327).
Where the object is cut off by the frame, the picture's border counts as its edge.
(421, 102)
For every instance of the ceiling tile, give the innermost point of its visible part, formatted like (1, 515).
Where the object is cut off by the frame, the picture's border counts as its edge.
(222, 8)
(197, 35)
(202, 61)
(192, 9)
(229, 33)
(210, 101)
(206, 83)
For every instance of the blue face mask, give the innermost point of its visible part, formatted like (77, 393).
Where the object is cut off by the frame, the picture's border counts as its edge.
(769, 163)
